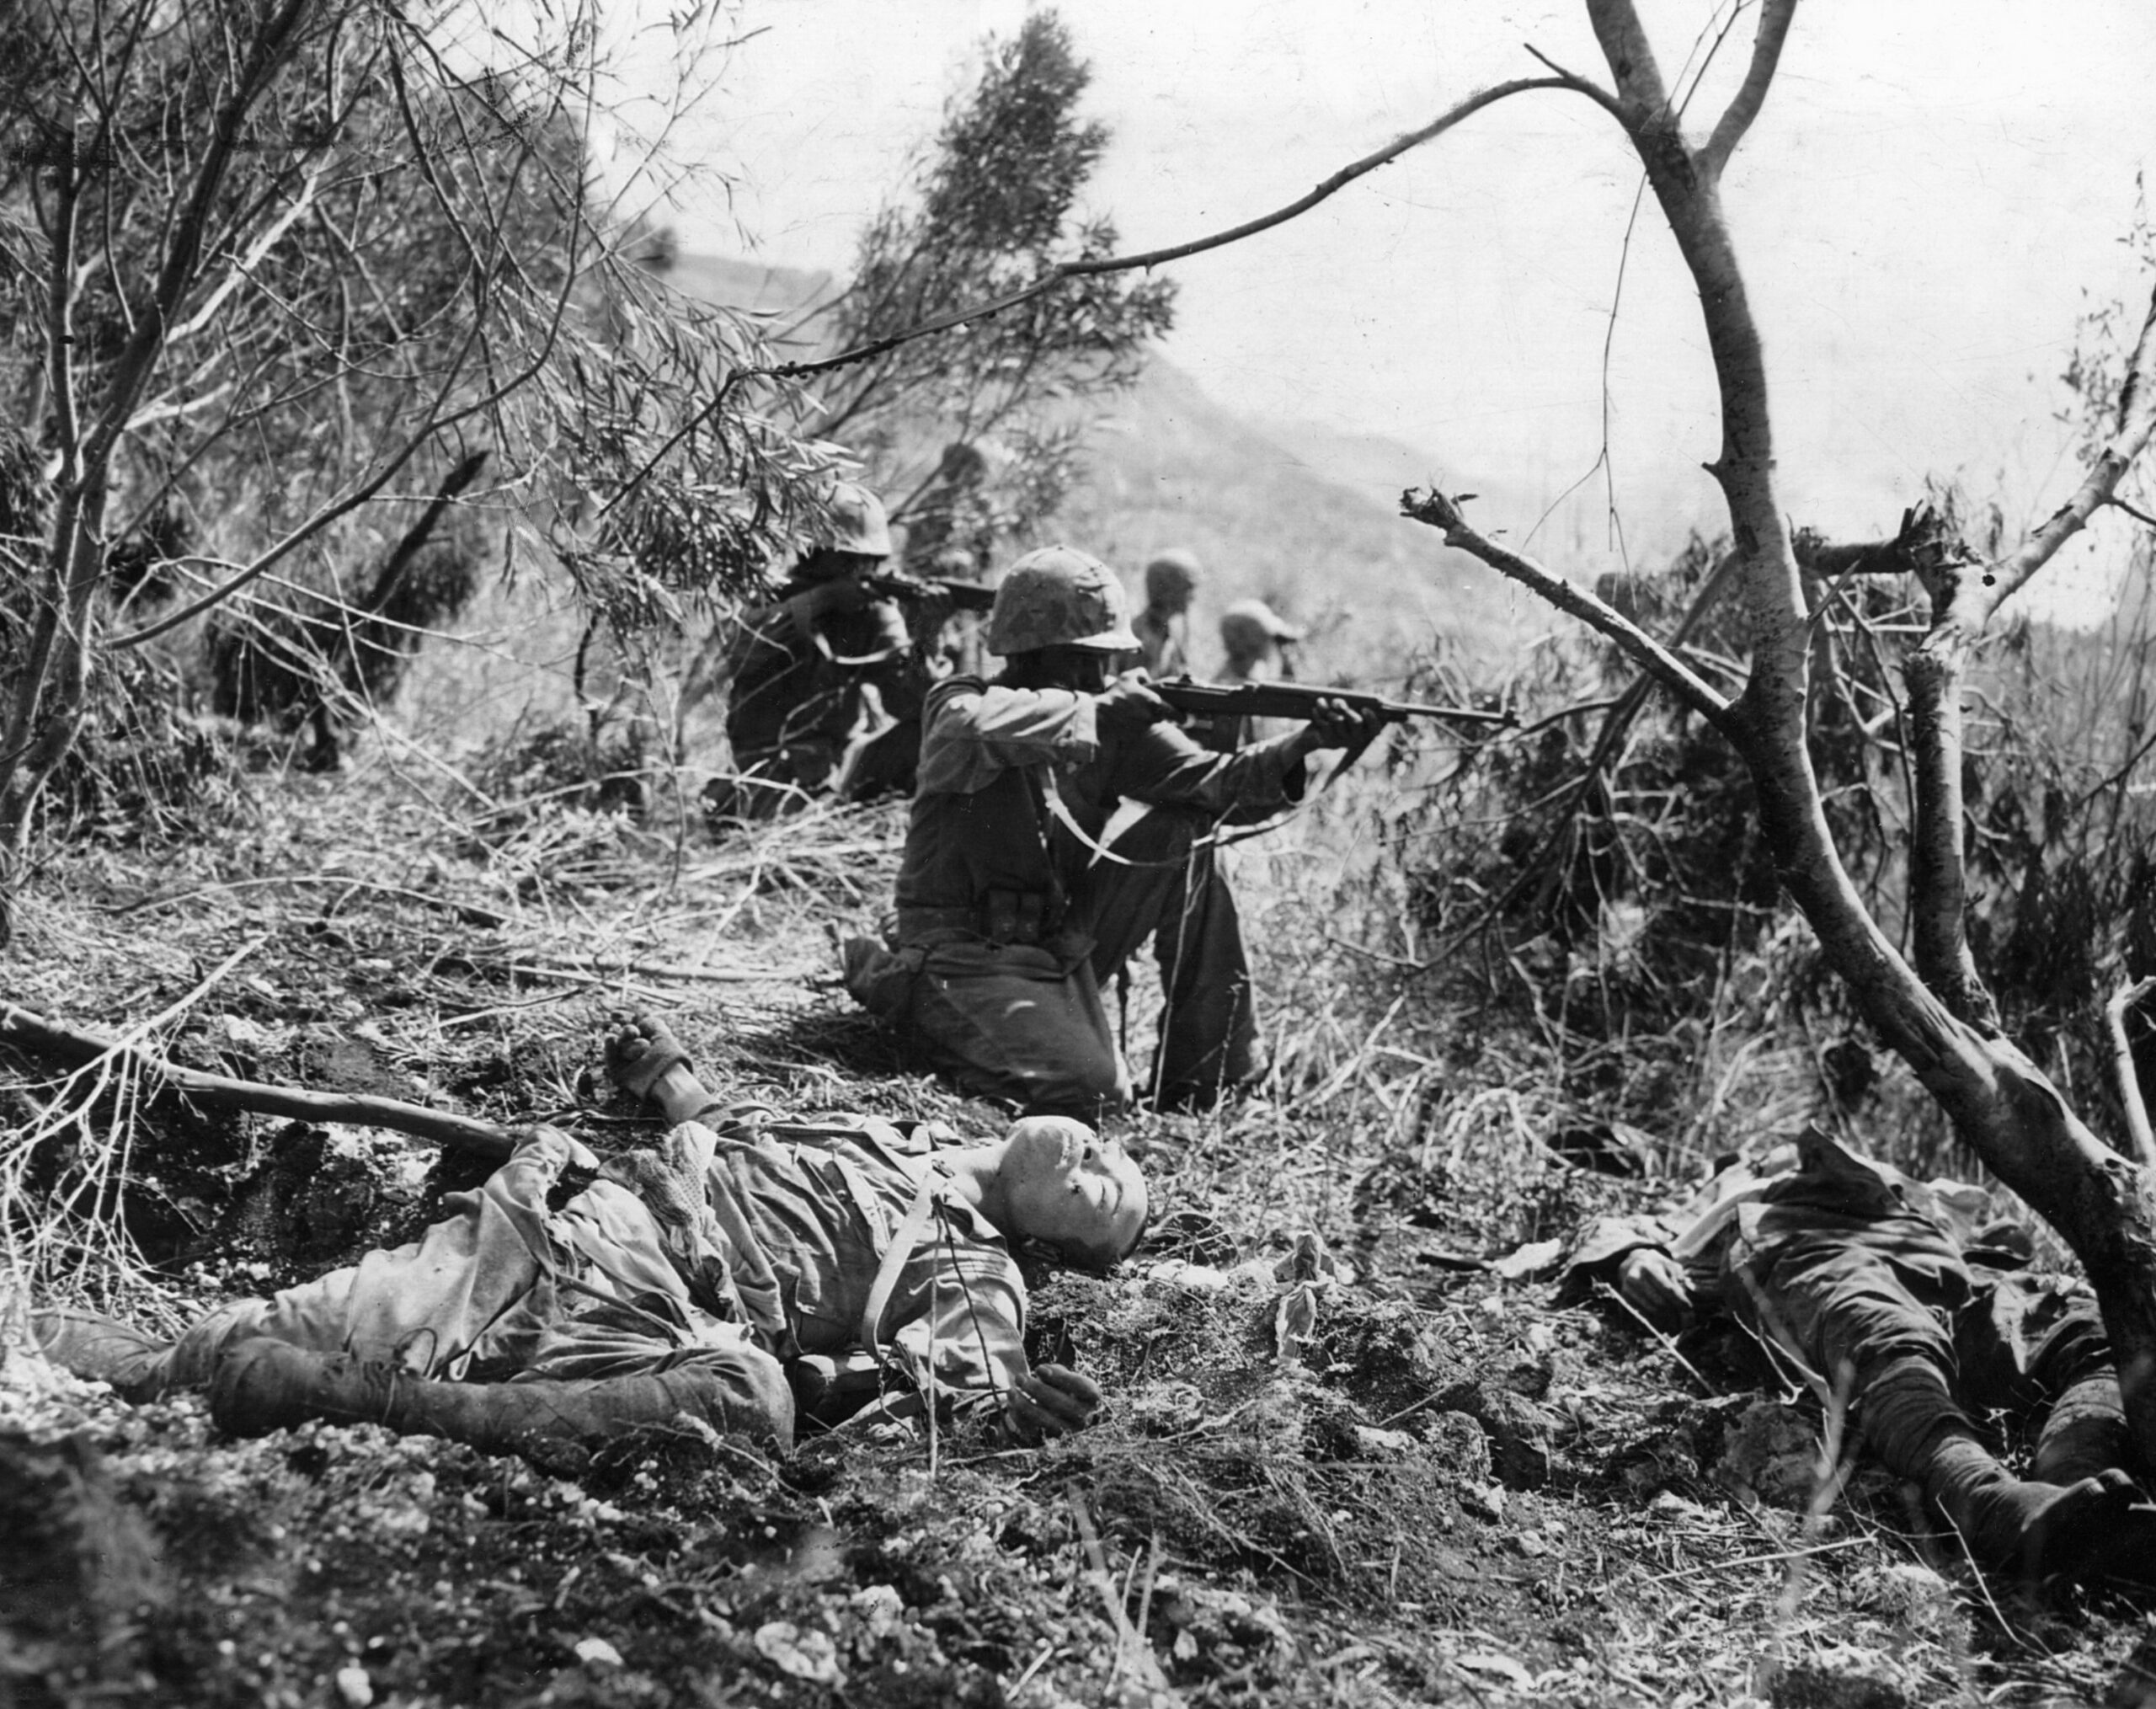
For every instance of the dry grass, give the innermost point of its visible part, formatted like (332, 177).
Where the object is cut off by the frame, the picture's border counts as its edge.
(1246, 1527)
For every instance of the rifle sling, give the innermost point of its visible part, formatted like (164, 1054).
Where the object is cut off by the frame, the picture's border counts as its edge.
(1053, 804)
(904, 1239)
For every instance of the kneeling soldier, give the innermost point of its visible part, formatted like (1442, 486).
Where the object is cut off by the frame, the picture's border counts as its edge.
(1012, 912)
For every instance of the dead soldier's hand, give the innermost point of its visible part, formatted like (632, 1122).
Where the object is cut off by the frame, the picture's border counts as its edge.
(1051, 1400)
(1125, 707)
(1654, 1285)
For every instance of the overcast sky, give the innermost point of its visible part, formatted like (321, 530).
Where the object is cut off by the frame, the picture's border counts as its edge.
(1935, 191)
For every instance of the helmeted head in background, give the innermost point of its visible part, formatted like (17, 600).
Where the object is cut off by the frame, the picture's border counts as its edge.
(955, 563)
(1250, 628)
(856, 527)
(962, 465)
(1059, 596)
(1171, 580)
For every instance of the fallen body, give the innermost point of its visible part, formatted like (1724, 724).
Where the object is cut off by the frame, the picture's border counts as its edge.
(1894, 1294)
(567, 1299)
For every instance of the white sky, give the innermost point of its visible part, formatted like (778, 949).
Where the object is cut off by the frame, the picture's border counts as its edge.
(1933, 191)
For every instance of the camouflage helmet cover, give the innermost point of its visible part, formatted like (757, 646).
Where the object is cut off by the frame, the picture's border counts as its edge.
(857, 522)
(1171, 577)
(1249, 627)
(1059, 597)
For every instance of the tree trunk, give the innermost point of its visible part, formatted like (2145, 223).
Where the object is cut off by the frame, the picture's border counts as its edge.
(1942, 1024)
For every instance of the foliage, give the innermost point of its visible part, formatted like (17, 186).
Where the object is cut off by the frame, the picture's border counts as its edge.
(1449, 1480)
(305, 654)
(267, 275)
(995, 208)
(1612, 854)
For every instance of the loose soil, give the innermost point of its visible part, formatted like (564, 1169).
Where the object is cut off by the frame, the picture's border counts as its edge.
(1345, 1461)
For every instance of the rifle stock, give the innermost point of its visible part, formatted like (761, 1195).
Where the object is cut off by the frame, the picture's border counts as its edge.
(1298, 700)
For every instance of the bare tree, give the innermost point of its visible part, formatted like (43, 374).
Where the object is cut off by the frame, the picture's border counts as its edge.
(284, 266)
(1934, 1009)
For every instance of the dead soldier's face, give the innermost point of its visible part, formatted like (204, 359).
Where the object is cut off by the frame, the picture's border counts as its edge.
(1073, 1190)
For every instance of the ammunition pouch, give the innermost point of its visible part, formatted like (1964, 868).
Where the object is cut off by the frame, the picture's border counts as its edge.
(1002, 917)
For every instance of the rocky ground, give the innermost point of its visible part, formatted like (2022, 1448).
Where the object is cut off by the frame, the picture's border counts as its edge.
(1355, 1453)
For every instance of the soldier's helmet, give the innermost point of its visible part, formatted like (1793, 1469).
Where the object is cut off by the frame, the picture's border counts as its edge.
(1171, 578)
(857, 522)
(1059, 597)
(1249, 627)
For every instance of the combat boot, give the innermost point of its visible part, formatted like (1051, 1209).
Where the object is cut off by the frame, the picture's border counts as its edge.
(2086, 1433)
(2097, 1526)
(263, 1385)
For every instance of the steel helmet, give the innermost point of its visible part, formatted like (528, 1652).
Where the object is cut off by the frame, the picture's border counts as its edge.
(1171, 578)
(1059, 597)
(1249, 627)
(857, 523)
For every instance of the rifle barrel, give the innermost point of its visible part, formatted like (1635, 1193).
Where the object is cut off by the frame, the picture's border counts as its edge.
(1225, 697)
(1462, 714)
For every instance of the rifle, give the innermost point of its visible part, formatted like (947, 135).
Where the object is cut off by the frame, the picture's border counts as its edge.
(1298, 700)
(964, 595)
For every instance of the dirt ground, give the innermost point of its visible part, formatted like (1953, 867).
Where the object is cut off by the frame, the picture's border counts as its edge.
(1354, 1453)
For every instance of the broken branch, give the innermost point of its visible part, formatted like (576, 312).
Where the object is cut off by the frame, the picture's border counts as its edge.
(1443, 514)
(2129, 1082)
(485, 1138)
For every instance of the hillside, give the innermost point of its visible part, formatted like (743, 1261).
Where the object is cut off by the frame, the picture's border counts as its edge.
(1172, 468)
(1359, 1445)
(1358, 1448)
(1285, 514)
(780, 293)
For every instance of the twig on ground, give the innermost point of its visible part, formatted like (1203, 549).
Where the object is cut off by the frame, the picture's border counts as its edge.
(220, 1091)
(1760, 1560)
(710, 976)
(467, 912)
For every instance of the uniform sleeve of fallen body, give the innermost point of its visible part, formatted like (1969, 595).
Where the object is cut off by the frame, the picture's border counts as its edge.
(974, 1332)
(1164, 766)
(1696, 1234)
(1603, 1247)
(973, 732)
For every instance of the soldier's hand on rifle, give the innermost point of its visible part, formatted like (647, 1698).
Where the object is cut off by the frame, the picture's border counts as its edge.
(835, 598)
(1051, 1400)
(1129, 705)
(1335, 724)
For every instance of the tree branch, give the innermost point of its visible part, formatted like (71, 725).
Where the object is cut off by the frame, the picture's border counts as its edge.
(490, 1139)
(2137, 423)
(1938, 866)
(1921, 543)
(2129, 1082)
(242, 268)
(1067, 270)
(1744, 106)
(1643, 98)
(1965, 596)
(1441, 512)
(130, 372)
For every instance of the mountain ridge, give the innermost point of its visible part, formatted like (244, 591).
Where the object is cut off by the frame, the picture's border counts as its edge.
(1304, 519)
